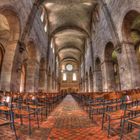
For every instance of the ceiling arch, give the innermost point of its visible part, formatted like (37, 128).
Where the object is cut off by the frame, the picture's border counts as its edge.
(69, 59)
(69, 26)
(69, 53)
(68, 47)
(75, 28)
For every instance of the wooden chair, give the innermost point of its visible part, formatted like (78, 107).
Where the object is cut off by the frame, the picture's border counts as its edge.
(134, 118)
(96, 107)
(43, 103)
(113, 109)
(6, 108)
(23, 109)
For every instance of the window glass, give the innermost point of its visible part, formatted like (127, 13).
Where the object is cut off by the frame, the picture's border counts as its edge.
(69, 67)
(74, 77)
(64, 76)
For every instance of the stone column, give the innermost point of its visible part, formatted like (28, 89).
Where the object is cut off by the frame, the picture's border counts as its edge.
(128, 67)
(32, 76)
(49, 82)
(109, 78)
(42, 79)
(98, 80)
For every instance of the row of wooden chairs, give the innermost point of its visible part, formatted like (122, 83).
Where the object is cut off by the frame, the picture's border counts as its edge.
(123, 106)
(27, 105)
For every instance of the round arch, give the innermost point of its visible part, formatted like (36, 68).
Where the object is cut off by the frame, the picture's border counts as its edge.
(112, 77)
(75, 28)
(130, 46)
(9, 35)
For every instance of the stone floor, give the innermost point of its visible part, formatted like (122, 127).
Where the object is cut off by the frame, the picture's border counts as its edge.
(67, 122)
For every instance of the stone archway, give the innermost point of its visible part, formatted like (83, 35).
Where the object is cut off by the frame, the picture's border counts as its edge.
(9, 36)
(130, 68)
(112, 78)
(98, 76)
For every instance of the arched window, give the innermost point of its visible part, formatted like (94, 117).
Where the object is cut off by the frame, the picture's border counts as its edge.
(112, 68)
(53, 50)
(42, 15)
(45, 28)
(64, 76)
(69, 67)
(74, 78)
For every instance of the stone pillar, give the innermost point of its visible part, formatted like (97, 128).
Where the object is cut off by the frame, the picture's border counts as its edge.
(109, 78)
(84, 86)
(98, 80)
(32, 76)
(128, 67)
(49, 82)
(42, 80)
(91, 82)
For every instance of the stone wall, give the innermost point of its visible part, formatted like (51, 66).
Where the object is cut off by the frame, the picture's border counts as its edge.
(39, 39)
(109, 29)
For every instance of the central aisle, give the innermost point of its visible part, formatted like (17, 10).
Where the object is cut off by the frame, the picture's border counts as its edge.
(69, 122)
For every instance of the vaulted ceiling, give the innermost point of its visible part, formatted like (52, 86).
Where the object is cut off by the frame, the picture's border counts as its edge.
(69, 26)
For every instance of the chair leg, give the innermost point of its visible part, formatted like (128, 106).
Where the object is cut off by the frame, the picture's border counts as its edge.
(15, 131)
(13, 125)
(122, 128)
(90, 115)
(121, 122)
(108, 126)
(139, 135)
(37, 118)
(46, 111)
(35, 112)
(128, 128)
(29, 124)
(11, 120)
(41, 114)
(103, 121)
(21, 120)
(131, 127)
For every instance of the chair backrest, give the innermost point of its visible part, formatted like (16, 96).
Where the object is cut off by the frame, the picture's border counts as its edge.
(113, 96)
(134, 97)
(6, 100)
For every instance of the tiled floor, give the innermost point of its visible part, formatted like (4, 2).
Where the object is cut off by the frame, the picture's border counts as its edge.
(67, 122)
